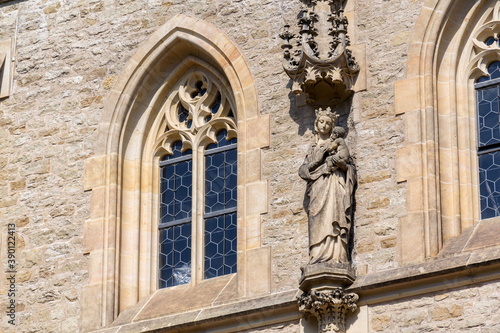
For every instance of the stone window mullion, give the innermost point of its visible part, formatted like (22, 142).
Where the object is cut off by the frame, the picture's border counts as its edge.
(198, 225)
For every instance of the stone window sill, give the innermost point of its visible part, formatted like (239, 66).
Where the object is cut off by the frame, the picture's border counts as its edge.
(211, 303)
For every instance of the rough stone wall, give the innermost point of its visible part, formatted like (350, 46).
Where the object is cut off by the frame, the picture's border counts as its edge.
(385, 27)
(69, 53)
(467, 309)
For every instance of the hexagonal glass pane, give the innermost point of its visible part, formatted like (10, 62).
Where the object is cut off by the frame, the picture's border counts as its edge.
(488, 111)
(176, 182)
(220, 174)
(488, 115)
(174, 255)
(489, 179)
(220, 245)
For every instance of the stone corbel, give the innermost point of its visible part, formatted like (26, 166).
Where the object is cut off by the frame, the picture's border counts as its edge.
(318, 59)
(6, 67)
(329, 307)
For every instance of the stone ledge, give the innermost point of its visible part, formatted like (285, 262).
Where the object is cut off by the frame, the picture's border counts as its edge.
(236, 316)
(466, 259)
(436, 274)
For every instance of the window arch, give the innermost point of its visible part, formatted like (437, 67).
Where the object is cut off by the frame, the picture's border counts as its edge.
(188, 87)
(438, 100)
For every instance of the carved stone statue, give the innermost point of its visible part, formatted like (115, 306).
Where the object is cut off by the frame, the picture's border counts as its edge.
(331, 180)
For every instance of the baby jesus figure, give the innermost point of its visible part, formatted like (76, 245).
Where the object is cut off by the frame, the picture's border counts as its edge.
(338, 153)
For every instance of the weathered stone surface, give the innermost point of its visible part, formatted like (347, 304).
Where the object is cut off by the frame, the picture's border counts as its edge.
(455, 310)
(69, 55)
(188, 298)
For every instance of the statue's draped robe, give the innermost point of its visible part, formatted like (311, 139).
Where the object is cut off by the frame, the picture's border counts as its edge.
(329, 204)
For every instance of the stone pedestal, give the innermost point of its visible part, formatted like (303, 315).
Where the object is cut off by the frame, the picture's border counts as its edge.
(324, 294)
(326, 276)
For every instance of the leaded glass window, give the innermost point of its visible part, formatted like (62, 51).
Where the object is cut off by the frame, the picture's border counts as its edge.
(175, 217)
(198, 172)
(488, 112)
(220, 207)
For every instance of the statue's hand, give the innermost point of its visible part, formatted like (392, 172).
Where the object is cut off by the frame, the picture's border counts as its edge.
(338, 162)
(329, 164)
(334, 159)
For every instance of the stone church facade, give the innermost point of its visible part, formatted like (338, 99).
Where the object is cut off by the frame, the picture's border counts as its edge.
(104, 103)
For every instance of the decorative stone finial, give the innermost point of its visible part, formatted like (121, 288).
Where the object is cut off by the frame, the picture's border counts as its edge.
(317, 59)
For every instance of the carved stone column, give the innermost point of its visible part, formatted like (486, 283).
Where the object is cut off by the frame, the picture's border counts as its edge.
(330, 308)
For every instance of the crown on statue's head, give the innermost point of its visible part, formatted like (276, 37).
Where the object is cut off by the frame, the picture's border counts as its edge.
(334, 116)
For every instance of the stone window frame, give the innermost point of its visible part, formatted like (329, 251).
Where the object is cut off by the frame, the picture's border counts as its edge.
(119, 235)
(437, 100)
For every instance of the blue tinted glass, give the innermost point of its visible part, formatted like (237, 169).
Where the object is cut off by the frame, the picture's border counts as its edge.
(489, 142)
(182, 112)
(493, 71)
(221, 140)
(231, 179)
(221, 177)
(220, 245)
(482, 79)
(488, 115)
(489, 184)
(176, 151)
(176, 186)
(175, 255)
(489, 41)
(220, 202)
(175, 204)
(216, 104)
(176, 191)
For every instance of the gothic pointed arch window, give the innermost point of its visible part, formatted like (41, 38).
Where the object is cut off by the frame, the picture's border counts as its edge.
(450, 105)
(176, 181)
(198, 182)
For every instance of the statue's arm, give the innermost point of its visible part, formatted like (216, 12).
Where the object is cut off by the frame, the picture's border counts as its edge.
(316, 157)
(309, 165)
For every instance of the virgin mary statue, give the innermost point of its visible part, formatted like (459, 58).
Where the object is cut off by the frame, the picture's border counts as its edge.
(331, 180)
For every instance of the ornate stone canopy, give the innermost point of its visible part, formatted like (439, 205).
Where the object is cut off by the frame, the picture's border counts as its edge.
(317, 58)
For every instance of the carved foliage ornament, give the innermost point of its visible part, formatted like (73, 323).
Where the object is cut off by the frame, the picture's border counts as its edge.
(486, 44)
(317, 58)
(330, 308)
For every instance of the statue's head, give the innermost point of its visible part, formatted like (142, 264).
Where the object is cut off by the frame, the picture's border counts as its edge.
(338, 132)
(325, 121)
